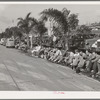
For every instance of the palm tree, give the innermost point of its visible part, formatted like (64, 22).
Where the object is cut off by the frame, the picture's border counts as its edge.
(61, 22)
(58, 21)
(72, 20)
(56, 18)
(38, 30)
(26, 25)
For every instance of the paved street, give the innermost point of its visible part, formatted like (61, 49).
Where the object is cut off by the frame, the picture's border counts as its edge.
(20, 72)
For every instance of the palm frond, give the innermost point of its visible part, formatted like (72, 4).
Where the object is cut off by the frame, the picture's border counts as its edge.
(21, 19)
(27, 16)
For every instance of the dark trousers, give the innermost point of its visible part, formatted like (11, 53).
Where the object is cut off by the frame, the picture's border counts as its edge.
(99, 67)
(93, 66)
(90, 66)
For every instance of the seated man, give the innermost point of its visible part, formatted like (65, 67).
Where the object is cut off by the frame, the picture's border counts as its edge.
(23, 46)
(41, 52)
(36, 49)
(63, 57)
(92, 67)
(51, 53)
(48, 51)
(56, 54)
(17, 45)
(88, 58)
(90, 63)
(75, 60)
(81, 62)
(69, 58)
(98, 65)
(44, 53)
(59, 56)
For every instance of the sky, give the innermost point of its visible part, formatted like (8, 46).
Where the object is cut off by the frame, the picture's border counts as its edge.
(10, 12)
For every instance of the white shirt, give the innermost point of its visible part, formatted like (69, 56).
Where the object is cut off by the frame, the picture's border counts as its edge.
(71, 54)
(38, 48)
(77, 54)
(54, 38)
(58, 52)
(94, 45)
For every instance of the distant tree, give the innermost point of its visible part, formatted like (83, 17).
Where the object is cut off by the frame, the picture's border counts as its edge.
(73, 21)
(16, 32)
(8, 32)
(82, 33)
(83, 29)
(26, 25)
(2, 35)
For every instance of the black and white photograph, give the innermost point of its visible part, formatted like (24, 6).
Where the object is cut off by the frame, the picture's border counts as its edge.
(49, 47)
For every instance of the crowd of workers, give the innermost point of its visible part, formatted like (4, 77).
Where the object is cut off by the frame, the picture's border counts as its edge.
(78, 60)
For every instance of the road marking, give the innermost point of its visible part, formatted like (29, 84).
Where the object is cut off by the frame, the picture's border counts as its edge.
(11, 76)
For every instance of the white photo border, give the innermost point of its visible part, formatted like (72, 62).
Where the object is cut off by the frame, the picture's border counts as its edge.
(51, 94)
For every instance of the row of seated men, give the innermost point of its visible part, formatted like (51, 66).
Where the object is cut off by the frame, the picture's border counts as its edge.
(79, 61)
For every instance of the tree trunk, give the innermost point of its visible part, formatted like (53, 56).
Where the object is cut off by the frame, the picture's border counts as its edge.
(67, 43)
(31, 42)
(28, 41)
(67, 46)
(20, 37)
(40, 40)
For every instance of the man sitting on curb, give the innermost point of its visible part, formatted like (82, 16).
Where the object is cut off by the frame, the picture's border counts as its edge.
(69, 58)
(75, 60)
(81, 64)
(56, 54)
(36, 50)
(92, 67)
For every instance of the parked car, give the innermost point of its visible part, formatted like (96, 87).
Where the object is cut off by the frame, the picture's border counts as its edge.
(2, 41)
(10, 43)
